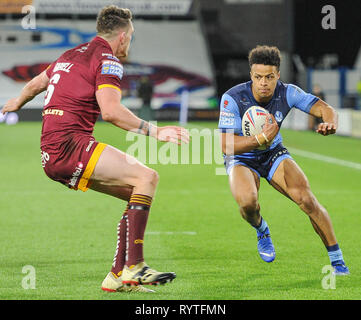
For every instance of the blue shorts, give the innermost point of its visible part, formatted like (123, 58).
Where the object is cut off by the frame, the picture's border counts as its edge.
(263, 164)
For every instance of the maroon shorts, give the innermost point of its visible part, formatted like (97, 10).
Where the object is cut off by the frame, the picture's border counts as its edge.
(72, 162)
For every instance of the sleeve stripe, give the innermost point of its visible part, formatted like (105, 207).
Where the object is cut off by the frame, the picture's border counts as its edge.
(108, 86)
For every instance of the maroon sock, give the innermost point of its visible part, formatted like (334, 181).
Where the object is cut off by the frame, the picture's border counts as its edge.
(138, 212)
(119, 257)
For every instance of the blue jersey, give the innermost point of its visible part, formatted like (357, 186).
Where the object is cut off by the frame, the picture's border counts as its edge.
(238, 99)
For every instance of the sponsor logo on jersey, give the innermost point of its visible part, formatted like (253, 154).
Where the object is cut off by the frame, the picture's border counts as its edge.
(111, 62)
(278, 116)
(112, 68)
(226, 118)
(138, 241)
(110, 56)
(227, 121)
(226, 114)
(54, 112)
(91, 142)
(63, 66)
(244, 101)
(76, 174)
(83, 49)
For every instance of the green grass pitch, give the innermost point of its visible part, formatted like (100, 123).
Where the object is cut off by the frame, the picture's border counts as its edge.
(194, 228)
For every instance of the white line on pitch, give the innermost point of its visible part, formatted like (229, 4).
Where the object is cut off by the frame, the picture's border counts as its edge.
(316, 156)
(189, 233)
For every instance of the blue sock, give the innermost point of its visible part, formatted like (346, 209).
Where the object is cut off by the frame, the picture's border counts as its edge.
(262, 227)
(335, 254)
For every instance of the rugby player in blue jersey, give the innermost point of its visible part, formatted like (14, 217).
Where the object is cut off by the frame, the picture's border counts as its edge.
(246, 164)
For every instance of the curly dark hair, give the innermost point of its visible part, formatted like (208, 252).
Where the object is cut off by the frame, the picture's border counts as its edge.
(269, 56)
(112, 18)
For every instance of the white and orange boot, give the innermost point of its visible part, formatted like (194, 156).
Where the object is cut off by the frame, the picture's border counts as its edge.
(112, 283)
(142, 274)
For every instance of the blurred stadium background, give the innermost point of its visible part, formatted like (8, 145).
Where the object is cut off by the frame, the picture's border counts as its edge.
(192, 51)
(198, 46)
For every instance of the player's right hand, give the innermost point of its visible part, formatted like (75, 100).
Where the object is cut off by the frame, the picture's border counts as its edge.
(173, 134)
(326, 128)
(270, 128)
(11, 105)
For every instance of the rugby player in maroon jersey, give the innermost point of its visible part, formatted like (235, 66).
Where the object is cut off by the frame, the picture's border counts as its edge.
(82, 84)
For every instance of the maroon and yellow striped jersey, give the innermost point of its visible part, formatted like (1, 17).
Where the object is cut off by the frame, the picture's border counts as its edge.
(70, 105)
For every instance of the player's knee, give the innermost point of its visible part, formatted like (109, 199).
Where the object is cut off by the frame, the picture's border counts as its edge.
(150, 176)
(248, 205)
(305, 200)
(249, 209)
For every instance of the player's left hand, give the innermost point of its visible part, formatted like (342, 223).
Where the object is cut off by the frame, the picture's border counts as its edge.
(326, 128)
(11, 105)
(172, 134)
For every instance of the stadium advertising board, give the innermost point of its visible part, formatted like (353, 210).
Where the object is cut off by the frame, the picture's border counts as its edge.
(138, 7)
(13, 6)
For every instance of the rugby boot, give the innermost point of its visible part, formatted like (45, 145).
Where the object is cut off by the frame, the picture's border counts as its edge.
(340, 268)
(265, 246)
(142, 274)
(114, 284)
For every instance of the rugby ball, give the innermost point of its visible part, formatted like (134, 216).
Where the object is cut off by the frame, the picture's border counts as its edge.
(253, 121)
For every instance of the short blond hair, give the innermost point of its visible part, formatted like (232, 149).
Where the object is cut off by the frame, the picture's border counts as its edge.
(112, 18)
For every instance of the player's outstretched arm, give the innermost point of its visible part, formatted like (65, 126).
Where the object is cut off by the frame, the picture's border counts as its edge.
(114, 112)
(234, 144)
(35, 86)
(328, 115)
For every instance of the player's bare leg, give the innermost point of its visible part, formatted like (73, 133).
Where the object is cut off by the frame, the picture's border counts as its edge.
(290, 180)
(122, 193)
(124, 177)
(116, 168)
(244, 184)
